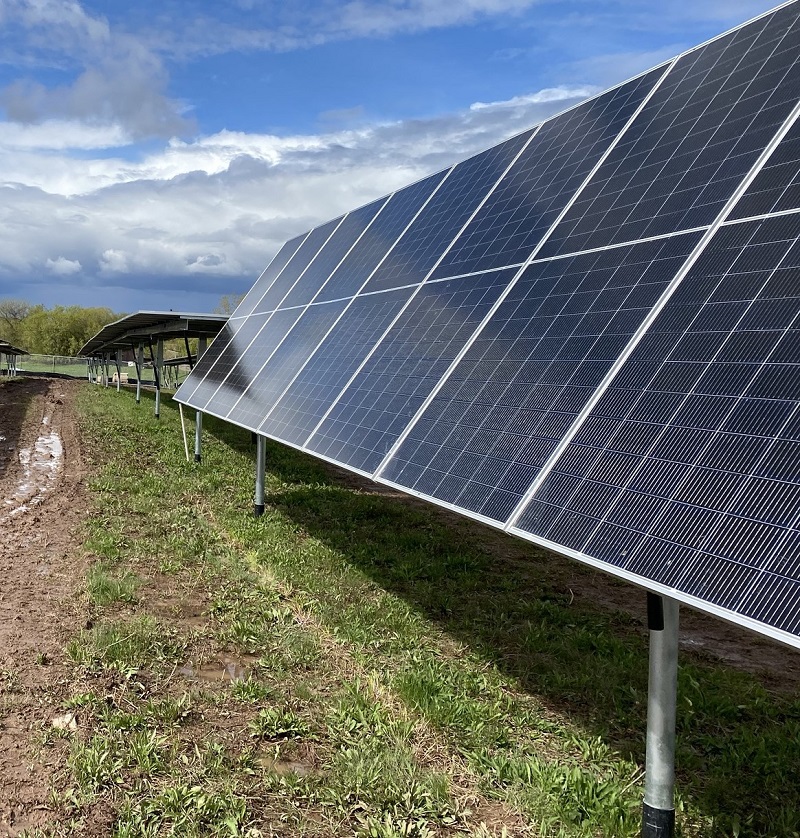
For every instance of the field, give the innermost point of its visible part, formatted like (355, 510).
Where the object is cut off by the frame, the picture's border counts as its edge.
(48, 363)
(353, 663)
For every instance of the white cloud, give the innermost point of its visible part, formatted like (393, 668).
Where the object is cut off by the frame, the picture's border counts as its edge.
(116, 79)
(113, 261)
(60, 135)
(63, 266)
(552, 94)
(212, 212)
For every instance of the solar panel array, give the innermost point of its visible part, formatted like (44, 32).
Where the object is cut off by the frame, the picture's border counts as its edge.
(588, 335)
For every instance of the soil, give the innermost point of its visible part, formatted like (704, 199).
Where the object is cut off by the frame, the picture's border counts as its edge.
(43, 501)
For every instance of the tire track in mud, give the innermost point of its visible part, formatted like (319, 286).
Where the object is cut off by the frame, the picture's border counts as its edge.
(42, 503)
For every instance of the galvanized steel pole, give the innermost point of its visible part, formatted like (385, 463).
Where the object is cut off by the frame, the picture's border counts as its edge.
(261, 467)
(198, 419)
(139, 368)
(658, 815)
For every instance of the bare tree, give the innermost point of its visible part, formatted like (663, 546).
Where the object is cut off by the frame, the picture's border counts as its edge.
(228, 303)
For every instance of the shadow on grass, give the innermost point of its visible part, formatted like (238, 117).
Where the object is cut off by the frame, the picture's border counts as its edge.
(511, 603)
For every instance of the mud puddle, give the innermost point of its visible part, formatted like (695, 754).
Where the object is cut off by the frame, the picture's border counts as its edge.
(40, 466)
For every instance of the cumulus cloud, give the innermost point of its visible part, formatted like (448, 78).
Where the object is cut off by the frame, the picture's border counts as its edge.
(63, 266)
(116, 79)
(206, 216)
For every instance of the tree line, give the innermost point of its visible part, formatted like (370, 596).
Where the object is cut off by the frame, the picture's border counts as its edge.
(61, 330)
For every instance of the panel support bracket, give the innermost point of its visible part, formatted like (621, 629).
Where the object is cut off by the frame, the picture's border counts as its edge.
(658, 811)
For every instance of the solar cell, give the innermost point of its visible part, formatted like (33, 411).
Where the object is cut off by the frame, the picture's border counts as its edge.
(686, 471)
(694, 141)
(490, 428)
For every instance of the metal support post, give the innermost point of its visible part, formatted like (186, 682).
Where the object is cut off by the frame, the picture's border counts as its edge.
(198, 418)
(658, 814)
(159, 366)
(139, 368)
(261, 467)
(119, 371)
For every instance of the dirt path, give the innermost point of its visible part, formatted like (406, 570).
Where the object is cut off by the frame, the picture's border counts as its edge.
(42, 502)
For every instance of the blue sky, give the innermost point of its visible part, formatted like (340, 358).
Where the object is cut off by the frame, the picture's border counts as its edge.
(157, 154)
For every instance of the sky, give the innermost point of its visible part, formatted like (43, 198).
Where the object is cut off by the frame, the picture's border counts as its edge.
(156, 155)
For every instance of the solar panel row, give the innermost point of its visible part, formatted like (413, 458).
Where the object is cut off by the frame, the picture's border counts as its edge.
(586, 335)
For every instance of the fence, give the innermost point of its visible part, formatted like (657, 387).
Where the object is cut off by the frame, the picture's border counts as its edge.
(173, 374)
(62, 364)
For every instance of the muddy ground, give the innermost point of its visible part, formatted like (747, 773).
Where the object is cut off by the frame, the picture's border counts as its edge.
(43, 502)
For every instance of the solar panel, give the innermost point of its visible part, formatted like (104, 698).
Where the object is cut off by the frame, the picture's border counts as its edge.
(694, 141)
(586, 335)
(686, 472)
(484, 436)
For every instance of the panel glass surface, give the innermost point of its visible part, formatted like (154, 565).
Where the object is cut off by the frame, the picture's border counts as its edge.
(194, 384)
(268, 276)
(297, 267)
(687, 472)
(333, 364)
(777, 186)
(239, 364)
(408, 363)
(287, 360)
(694, 141)
(487, 433)
(219, 359)
(331, 254)
(527, 201)
(378, 240)
(444, 216)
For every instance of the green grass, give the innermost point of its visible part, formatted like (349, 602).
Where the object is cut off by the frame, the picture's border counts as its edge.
(405, 674)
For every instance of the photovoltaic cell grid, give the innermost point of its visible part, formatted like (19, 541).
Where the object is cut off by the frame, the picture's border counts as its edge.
(471, 386)
(406, 365)
(687, 472)
(332, 364)
(777, 187)
(694, 141)
(441, 219)
(278, 369)
(553, 165)
(491, 427)
(269, 275)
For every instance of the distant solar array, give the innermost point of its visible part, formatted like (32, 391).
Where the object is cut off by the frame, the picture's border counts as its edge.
(588, 335)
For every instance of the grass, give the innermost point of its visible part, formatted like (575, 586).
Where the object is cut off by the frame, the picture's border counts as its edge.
(395, 672)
